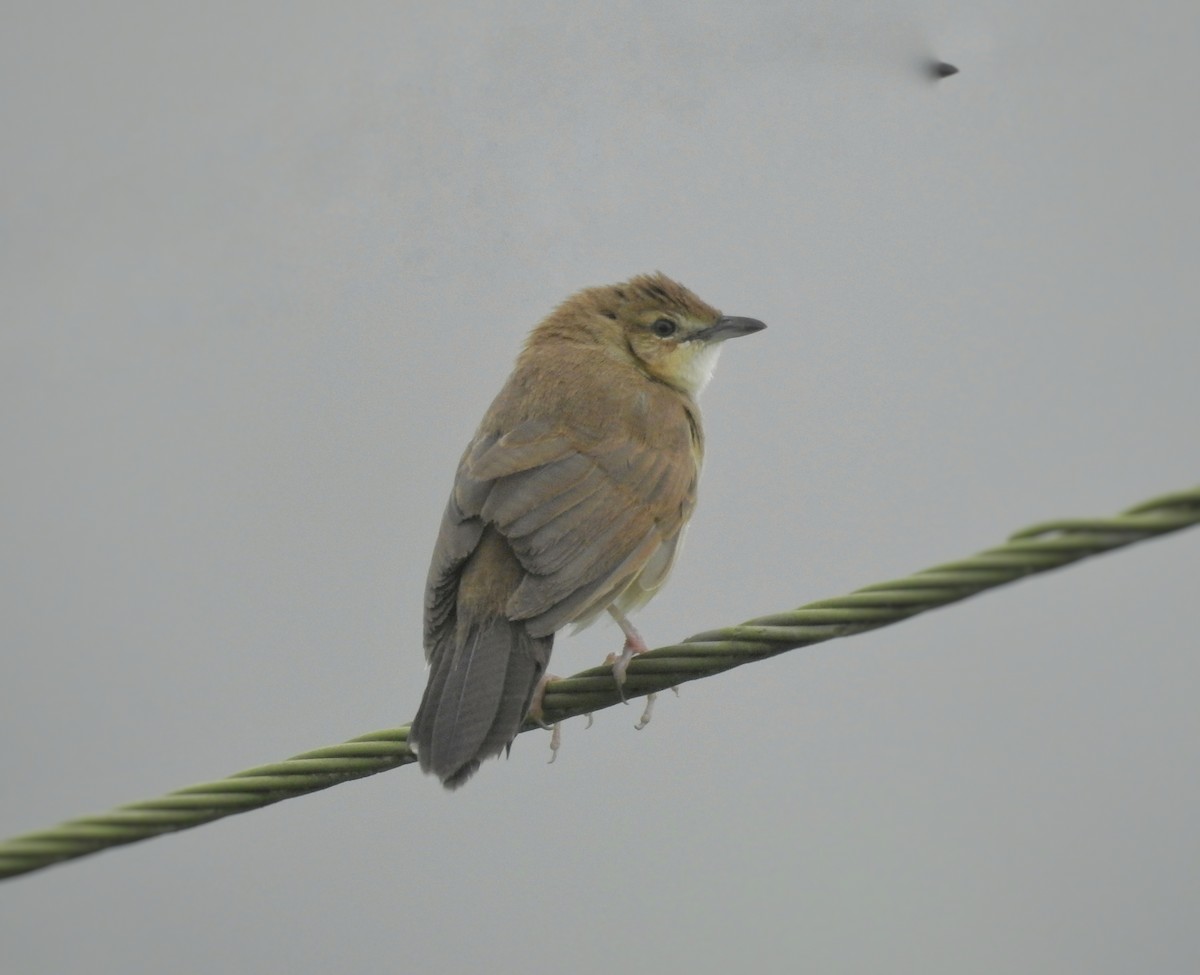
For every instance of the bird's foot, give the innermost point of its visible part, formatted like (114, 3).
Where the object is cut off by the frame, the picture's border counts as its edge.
(645, 718)
(634, 644)
(536, 712)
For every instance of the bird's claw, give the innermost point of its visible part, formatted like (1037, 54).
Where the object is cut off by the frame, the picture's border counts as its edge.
(645, 718)
(536, 712)
(619, 665)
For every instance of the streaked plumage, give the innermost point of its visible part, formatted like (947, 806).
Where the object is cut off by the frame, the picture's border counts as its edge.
(571, 498)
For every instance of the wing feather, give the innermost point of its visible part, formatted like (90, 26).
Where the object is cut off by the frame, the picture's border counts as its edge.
(587, 521)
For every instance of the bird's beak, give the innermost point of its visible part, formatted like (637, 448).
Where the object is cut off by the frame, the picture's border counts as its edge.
(728, 328)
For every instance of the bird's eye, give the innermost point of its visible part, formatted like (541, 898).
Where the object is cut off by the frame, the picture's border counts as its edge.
(664, 327)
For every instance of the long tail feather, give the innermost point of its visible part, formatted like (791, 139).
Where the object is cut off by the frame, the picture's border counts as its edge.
(477, 698)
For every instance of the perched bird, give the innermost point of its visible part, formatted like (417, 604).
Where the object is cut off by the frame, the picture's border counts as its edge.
(570, 500)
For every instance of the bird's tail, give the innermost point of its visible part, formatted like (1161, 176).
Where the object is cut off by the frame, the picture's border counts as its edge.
(477, 697)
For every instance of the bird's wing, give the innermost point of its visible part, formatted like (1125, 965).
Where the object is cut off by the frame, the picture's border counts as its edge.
(582, 520)
(458, 537)
(490, 457)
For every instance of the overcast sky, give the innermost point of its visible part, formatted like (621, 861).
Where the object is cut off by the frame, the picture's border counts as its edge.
(264, 266)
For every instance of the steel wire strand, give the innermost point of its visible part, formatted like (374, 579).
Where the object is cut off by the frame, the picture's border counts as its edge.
(1039, 548)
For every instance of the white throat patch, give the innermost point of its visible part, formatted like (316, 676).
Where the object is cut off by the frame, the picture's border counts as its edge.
(700, 366)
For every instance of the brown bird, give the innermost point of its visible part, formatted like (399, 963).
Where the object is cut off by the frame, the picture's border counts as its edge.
(570, 500)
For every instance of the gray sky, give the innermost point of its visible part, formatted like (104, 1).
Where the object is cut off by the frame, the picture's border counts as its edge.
(263, 269)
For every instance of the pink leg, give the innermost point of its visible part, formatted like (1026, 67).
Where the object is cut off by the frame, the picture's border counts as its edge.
(634, 644)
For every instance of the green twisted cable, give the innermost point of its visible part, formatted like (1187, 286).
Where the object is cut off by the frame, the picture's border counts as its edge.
(1035, 549)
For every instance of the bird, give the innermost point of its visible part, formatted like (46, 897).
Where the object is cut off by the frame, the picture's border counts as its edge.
(570, 500)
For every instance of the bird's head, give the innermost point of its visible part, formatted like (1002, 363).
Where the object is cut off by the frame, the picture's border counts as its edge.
(653, 323)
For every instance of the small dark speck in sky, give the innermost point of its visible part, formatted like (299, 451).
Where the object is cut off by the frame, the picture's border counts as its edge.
(940, 69)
